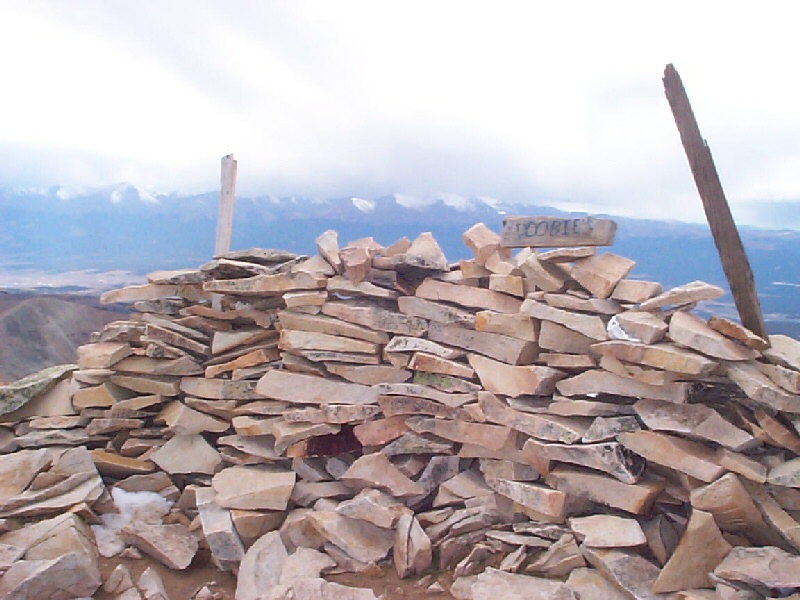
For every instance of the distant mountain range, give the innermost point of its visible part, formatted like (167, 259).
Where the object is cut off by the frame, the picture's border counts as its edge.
(124, 228)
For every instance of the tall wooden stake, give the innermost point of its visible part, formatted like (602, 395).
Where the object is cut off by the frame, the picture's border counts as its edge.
(227, 197)
(726, 236)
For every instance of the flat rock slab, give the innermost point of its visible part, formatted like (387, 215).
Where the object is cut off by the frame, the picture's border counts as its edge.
(219, 389)
(541, 275)
(114, 465)
(660, 356)
(602, 306)
(374, 506)
(435, 311)
(737, 332)
(402, 343)
(557, 338)
(500, 378)
(298, 388)
(187, 454)
(539, 498)
(430, 363)
(513, 325)
(694, 420)
(172, 545)
(413, 552)
(758, 387)
(733, 509)
(627, 570)
(598, 381)
(601, 273)
(591, 326)
(488, 436)
(607, 428)
(331, 326)
(468, 296)
(424, 254)
(369, 374)
(17, 470)
(696, 291)
(359, 539)
(253, 487)
(72, 575)
(305, 563)
(503, 348)
(418, 390)
(375, 471)
(102, 355)
(17, 394)
(219, 531)
(266, 285)
(374, 317)
(261, 567)
(643, 325)
(310, 340)
(700, 550)
(151, 291)
(72, 479)
(589, 583)
(559, 559)
(786, 474)
(637, 498)
(482, 241)
(636, 291)
(184, 420)
(688, 457)
(609, 457)
(693, 332)
(784, 351)
(768, 567)
(543, 427)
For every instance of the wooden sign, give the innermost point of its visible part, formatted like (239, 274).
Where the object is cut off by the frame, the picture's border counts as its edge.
(556, 232)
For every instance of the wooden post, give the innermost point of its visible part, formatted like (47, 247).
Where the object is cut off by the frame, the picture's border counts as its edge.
(227, 197)
(723, 228)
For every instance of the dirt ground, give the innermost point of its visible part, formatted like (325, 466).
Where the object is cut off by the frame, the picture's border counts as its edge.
(182, 585)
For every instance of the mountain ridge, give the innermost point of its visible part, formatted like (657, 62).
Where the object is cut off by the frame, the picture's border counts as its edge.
(125, 228)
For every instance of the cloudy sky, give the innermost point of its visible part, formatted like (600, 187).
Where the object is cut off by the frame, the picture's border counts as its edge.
(552, 103)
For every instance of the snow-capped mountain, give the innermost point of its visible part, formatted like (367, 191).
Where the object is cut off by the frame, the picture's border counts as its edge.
(126, 227)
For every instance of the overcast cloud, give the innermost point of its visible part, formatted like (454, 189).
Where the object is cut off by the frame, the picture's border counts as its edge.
(549, 103)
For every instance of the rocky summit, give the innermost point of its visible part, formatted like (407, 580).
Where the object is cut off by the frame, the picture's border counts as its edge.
(519, 425)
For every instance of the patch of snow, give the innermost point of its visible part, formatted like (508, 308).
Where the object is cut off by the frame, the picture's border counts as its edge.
(119, 193)
(410, 201)
(455, 201)
(65, 193)
(489, 201)
(133, 507)
(365, 206)
(616, 332)
(146, 196)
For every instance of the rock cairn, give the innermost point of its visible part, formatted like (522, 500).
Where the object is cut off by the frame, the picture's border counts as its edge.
(538, 425)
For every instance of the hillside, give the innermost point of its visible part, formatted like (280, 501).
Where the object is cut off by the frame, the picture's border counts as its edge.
(39, 331)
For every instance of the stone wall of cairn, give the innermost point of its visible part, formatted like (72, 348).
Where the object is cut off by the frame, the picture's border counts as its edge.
(535, 426)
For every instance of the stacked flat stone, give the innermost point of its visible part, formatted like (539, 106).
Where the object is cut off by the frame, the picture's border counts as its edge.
(537, 423)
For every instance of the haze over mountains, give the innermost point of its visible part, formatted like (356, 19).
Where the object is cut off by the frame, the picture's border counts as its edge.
(124, 229)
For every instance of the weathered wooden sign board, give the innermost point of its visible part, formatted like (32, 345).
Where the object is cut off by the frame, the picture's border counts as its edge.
(556, 232)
